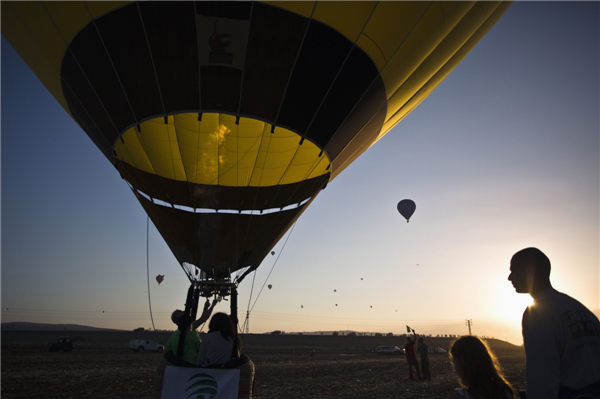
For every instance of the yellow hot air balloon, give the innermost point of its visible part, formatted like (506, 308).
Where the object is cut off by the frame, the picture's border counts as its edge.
(226, 119)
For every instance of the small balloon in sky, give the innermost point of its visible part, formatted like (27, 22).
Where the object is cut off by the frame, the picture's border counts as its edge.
(336, 304)
(361, 279)
(406, 208)
(371, 307)
(270, 286)
(272, 252)
(302, 306)
(334, 290)
(160, 278)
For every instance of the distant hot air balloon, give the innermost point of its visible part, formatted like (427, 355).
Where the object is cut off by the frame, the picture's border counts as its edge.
(336, 304)
(270, 286)
(334, 290)
(302, 306)
(195, 125)
(160, 278)
(361, 279)
(406, 208)
(371, 307)
(272, 252)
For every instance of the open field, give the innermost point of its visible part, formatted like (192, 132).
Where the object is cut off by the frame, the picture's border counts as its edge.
(101, 366)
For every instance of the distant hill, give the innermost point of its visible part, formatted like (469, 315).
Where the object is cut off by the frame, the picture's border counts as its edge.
(24, 326)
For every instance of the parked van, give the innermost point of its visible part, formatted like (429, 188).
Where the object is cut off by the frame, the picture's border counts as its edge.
(140, 345)
(389, 350)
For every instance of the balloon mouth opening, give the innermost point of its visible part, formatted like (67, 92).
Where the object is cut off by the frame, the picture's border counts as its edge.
(218, 149)
(256, 212)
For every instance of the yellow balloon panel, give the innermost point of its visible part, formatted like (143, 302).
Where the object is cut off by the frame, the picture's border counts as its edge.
(304, 8)
(99, 8)
(69, 18)
(355, 15)
(19, 37)
(42, 30)
(392, 22)
(217, 151)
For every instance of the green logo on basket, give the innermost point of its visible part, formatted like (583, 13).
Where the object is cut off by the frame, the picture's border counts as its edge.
(204, 386)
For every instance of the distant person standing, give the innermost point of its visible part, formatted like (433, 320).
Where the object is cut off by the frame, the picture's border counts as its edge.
(423, 351)
(411, 357)
(561, 336)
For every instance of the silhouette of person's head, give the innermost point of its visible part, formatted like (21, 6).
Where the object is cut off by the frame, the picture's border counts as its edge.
(477, 367)
(529, 271)
(409, 339)
(420, 340)
(223, 323)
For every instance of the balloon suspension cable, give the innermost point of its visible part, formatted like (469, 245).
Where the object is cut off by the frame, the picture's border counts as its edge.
(246, 321)
(148, 275)
(267, 279)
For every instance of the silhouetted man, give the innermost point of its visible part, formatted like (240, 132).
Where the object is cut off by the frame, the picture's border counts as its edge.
(411, 357)
(561, 336)
(423, 351)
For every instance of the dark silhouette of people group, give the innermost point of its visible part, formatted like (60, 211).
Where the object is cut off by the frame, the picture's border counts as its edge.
(411, 357)
(221, 348)
(561, 339)
(560, 335)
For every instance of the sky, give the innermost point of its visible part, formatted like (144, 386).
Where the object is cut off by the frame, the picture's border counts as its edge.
(503, 155)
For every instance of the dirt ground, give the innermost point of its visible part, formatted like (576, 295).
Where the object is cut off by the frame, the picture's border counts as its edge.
(101, 366)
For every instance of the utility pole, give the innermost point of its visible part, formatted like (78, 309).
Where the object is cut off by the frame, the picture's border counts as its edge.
(247, 322)
(469, 323)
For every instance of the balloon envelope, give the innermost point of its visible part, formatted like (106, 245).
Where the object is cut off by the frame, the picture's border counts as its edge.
(406, 208)
(160, 278)
(226, 119)
(270, 286)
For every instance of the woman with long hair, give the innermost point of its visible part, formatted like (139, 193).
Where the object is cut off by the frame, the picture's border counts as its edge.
(478, 371)
(218, 345)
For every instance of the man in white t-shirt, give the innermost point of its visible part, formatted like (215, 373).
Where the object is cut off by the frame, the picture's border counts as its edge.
(561, 336)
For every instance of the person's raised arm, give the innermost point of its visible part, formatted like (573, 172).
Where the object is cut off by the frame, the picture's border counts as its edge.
(208, 308)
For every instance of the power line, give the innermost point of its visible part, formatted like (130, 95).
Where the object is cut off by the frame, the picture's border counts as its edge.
(77, 311)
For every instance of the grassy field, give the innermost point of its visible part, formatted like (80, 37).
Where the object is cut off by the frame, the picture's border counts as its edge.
(102, 366)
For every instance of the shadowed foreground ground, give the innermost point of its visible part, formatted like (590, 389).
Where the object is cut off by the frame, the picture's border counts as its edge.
(101, 366)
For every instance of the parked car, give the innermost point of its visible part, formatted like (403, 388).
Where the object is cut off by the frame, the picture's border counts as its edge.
(140, 345)
(64, 343)
(437, 350)
(389, 350)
